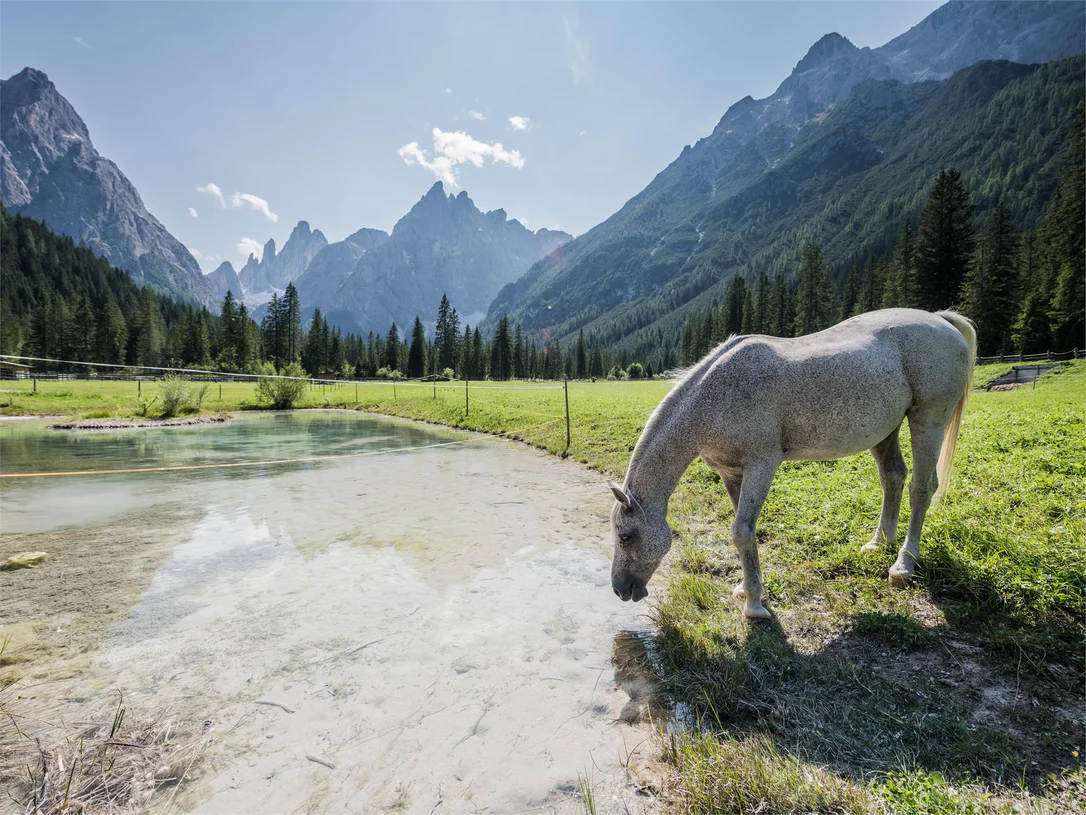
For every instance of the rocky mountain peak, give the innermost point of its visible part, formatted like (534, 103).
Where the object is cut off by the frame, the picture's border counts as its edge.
(50, 171)
(827, 48)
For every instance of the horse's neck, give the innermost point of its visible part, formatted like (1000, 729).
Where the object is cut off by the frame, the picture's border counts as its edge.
(664, 451)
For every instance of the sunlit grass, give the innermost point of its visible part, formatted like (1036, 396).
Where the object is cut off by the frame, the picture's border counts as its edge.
(955, 695)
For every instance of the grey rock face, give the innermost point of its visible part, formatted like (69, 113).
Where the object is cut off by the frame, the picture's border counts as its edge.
(331, 267)
(225, 279)
(261, 278)
(50, 171)
(443, 245)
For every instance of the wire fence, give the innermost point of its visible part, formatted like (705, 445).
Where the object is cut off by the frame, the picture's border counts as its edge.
(335, 392)
(1053, 356)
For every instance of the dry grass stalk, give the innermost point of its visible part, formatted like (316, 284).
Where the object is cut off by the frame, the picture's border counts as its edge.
(111, 763)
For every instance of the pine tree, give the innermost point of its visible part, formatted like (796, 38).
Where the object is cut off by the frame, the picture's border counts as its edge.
(518, 353)
(291, 317)
(944, 242)
(416, 357)
(813, 300)
(582, 357)
(595, 368)
(231, 328)
(392, 349)
(901, 286)
(990, 287)
(110, 334)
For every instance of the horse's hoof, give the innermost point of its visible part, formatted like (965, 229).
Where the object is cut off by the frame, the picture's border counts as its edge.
(899, 578)
(738, 592)
(870, 546)
(756, 613)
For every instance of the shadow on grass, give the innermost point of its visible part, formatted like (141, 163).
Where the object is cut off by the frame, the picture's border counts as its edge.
(887, 695)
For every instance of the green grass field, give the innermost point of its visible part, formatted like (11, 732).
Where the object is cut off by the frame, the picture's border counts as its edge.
(963, 693)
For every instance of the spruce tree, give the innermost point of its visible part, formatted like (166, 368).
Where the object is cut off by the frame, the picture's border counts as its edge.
(582, 357)
(392, 348)
(416, 357)
(944, 242)
(989, 291)
(813, 298)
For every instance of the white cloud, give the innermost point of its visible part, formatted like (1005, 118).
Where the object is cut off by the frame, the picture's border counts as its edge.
(474, 114)
(248, 246)
(576, 51)
(196, 253)
(193, 213)
(83, 42)
(448, 90)
(583, 132)
(452, 149)
(214, 191)
(255, 202)
(237, 200)
(520, 122)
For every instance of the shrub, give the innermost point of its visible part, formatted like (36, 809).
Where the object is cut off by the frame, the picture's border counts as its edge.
(281, 394)
(616, 373)
(449, 373)
(388, 373)
(175, 395)
(635, 371)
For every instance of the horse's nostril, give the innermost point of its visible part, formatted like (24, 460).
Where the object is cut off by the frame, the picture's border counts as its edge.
(617, 593)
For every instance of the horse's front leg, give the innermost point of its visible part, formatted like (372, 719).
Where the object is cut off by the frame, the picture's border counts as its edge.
(757, 478)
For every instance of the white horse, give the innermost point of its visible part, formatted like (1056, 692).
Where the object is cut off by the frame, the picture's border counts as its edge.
(756, 401)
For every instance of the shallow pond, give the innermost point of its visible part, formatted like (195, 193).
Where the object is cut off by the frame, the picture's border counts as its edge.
(438, 619)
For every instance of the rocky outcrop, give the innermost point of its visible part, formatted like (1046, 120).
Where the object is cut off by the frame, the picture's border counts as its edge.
(261, 278)
(50, 171)
(225, 279)
(444, 245)
(336, 262)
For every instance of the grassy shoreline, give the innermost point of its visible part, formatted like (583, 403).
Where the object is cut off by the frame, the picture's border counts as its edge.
(963, 693)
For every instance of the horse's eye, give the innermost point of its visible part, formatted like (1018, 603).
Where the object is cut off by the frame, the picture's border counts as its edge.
(625, 538)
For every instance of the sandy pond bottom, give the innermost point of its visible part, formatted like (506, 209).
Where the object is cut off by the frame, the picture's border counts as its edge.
(439, 621)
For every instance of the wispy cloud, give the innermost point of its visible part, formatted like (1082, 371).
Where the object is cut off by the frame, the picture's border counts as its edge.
(237, 200)
(193, 213)
(448, 90)
(576, 51)
(452, 149)
(474, 114)
(520, 122)
(583, 132)
(249, 246)
(83, 42)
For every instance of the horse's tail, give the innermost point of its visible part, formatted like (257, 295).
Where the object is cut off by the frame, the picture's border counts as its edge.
(968, 330)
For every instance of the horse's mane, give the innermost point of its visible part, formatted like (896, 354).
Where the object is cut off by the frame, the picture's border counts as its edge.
(683, 378)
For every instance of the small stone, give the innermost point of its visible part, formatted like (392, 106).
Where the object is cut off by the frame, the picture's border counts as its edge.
(23, 560)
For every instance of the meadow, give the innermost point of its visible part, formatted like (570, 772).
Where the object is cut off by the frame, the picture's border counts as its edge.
(962, 693)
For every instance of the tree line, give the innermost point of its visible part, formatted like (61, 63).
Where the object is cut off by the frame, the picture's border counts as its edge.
(1025, 290)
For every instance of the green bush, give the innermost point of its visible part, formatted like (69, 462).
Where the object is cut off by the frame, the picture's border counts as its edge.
(281, 394)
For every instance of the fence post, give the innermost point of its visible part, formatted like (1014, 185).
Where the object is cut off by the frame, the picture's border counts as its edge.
(139, 385)
(393, 390)
(35, 384)
(435, 386)
(220, 390)
(467, 405)
(565, 386)
(356, 391)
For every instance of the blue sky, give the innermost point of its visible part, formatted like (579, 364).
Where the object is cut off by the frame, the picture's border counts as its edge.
(305, 110)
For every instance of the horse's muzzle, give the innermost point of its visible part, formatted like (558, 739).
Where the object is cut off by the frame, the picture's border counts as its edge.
(629, 588)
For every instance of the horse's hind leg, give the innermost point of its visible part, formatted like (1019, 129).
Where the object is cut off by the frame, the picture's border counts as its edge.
(892, 472)
(926, 428)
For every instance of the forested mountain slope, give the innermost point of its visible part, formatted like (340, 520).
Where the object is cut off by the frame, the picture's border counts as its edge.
(847, 182)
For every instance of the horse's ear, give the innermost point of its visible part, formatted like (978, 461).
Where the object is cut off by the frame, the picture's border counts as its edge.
(619, 493)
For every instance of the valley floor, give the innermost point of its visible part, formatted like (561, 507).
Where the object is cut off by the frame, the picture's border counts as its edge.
(963, 693)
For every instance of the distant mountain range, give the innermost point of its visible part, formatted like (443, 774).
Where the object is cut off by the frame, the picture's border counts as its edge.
(841, 153)
(851, 134)
(50, 171)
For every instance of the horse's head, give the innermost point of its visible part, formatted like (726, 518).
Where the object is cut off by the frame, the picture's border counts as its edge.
(642, 538)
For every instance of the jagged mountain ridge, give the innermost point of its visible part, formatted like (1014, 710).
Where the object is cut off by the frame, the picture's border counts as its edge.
(225, 279)
(50, 171)
(272, 272)
(671, 231)
(443, 245)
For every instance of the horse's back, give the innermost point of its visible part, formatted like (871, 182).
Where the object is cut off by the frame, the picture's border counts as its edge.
(844, 389)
